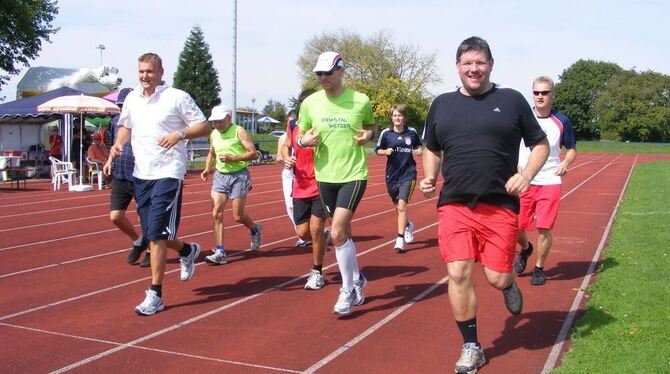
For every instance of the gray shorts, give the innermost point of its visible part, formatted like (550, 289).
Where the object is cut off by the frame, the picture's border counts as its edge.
(234, 185)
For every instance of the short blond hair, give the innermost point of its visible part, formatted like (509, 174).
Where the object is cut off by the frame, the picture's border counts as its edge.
(544, 79)
(151, 57)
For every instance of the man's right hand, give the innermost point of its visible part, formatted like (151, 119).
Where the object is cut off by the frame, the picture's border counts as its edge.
(310, 138)
(427, 187)
(204, 175)
(289, 162)
(107, 168)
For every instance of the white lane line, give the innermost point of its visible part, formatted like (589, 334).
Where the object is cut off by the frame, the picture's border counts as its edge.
(181, 237)
(210, 313)
(173, 353)
(569, 319)
(346, 346)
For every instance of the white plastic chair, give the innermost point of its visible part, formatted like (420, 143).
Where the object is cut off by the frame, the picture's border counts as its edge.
(95, 171)
(61, 172)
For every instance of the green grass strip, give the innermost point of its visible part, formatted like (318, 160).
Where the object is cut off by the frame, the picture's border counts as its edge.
(626, 326)
(622, 147)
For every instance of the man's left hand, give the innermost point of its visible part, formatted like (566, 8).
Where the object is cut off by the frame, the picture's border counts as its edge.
(517, 184)
(363, 136)
(169, 140)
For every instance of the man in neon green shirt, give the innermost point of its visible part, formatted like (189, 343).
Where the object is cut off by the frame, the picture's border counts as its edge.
(337, 122)
(230, 150)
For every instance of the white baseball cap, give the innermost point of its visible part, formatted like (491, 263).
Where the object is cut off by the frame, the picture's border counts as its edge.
(219, 112)
(328, 61)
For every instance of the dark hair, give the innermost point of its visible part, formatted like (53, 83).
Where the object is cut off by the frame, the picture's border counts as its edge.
(151, 57)
(474, 43)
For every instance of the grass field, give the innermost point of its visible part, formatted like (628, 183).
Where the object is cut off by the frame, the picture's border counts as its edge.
(622, 147)
(626, 327)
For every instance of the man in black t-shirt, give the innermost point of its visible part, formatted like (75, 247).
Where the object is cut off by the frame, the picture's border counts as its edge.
(476, 131)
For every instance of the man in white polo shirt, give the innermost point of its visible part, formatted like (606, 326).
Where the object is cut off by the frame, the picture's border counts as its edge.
(157, 119)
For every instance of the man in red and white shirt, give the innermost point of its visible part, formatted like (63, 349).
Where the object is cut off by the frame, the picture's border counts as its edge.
(309, 214)
(540, 203)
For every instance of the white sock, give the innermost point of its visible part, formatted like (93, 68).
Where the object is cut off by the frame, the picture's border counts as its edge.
(346, 260)
(138, 242)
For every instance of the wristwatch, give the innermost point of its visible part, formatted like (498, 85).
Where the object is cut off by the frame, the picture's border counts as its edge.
(182, 135)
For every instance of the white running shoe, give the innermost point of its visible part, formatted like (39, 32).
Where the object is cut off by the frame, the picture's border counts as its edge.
(315, 281)
(302, 243)
(472, 358)
(359, 285)
(409, 232)
(399, 245)
(344, 302)
(256, 238)
(217, 258)
(151, 305)
(188, 262)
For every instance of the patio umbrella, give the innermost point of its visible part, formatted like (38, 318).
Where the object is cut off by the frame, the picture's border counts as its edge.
(79, 104)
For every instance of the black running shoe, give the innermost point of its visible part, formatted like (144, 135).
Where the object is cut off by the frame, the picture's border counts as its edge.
(522, 259)
(538, 277)
(135, 253)
(513, 299)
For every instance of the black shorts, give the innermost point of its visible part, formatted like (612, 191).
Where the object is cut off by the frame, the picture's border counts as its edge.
(303, 209)
(122, 192)
(401, 191)
(341, 195)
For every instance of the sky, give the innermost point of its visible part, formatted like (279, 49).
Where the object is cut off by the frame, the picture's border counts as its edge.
(527, 38)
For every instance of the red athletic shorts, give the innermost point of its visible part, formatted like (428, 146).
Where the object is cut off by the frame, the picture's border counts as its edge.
(487, 234)
(540, 203)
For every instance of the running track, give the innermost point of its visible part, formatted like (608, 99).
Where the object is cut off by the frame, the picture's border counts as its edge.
(68, 294)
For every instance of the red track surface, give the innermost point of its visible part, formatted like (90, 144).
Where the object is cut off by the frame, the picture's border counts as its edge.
(68, 294)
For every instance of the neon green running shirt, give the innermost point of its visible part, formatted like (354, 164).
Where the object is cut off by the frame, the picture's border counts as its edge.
(227, 143)
(337, 159)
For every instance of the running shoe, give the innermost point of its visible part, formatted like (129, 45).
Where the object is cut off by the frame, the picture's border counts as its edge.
(359, 285)
(344, 302)
(256, 238)
(472, 358)
(217, 258)
(409, 232)
(399, 245)
(136, 251)
(315, 281)
(538, 277)
(188, 262)
(302, 243)
(521, 259)
(151, 305)
(513, 299)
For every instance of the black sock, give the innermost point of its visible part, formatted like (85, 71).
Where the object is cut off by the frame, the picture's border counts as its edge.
(468, 330)
(318, 267)
(185, 250)
(158, 288)
(508, 287)
(539, 268)
(401, 235)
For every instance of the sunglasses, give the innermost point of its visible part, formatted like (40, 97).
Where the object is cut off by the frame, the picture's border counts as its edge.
(543, 93)
(326, 73)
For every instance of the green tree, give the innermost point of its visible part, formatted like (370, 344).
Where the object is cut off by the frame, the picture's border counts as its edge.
(278, 111)
(196, 73)
(24, 24)
(635, 106)
(578, 89)
(388, 73)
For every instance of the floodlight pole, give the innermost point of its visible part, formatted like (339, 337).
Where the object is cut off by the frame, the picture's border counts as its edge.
(253, 112)
(234, 61)
(101, 47)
